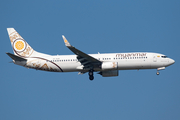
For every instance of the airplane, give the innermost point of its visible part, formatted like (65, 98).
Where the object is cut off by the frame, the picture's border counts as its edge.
(107, 65)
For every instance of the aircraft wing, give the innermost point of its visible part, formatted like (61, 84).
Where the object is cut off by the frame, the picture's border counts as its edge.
(85, 59)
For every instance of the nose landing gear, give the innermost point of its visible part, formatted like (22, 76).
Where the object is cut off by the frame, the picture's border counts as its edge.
(157, 73)
(91, 77)
(161, 68)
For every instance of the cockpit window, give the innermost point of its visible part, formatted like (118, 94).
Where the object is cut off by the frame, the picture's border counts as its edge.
(164, 56)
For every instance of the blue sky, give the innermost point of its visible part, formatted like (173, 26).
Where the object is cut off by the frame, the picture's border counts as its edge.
(91, 26)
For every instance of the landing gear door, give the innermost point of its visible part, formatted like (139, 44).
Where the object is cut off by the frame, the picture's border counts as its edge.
(154, 58)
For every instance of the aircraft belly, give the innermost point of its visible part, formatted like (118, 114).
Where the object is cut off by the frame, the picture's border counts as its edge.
(71, 67)
(155, 65)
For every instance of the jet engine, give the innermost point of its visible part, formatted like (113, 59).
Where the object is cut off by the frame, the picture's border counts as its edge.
(109, 66)
(109, 73)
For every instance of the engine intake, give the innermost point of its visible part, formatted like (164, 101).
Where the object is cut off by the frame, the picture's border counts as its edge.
(109, 66)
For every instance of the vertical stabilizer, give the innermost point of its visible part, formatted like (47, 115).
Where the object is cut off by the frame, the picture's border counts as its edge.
(20, 46)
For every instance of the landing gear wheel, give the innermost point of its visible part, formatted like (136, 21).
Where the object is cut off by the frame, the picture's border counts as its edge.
(91, 77)
(90, 73)
(157, 73)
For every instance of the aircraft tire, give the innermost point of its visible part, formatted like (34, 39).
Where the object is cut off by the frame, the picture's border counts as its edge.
(91, 77)
(157, 73)
(91, 73)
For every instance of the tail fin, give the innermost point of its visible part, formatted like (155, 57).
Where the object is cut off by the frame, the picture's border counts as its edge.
(20, 46)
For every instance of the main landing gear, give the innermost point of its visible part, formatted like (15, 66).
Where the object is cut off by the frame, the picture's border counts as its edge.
(91, 77)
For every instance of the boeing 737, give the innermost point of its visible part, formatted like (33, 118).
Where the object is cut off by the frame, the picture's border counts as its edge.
(106, 65)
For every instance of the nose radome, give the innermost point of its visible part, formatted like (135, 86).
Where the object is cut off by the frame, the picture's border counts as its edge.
(172, 61)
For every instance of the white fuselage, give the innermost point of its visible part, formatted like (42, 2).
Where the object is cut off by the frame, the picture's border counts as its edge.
(125, 61)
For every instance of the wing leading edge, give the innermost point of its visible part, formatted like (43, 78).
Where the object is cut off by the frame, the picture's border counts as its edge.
(86, 60)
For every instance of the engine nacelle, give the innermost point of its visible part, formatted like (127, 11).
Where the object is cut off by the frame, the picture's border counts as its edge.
(109, 66)
(109, 73)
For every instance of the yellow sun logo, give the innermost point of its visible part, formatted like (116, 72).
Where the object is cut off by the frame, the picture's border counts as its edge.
(65, 41)
(19, 45)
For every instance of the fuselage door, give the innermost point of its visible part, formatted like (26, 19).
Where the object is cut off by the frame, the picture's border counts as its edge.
(154, 58)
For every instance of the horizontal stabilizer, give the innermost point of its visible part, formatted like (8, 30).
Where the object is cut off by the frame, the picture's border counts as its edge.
(16, 58)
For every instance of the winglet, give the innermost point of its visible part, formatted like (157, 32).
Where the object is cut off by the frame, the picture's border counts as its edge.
(66, 41)
(80, 53)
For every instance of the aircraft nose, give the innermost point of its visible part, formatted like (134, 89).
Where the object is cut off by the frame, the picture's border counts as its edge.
(171, 61)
